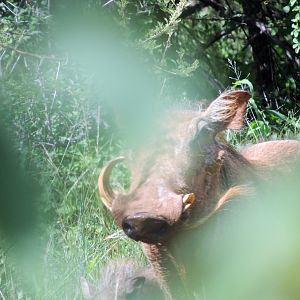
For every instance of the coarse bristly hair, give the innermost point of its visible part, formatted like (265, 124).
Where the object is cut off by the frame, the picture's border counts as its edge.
(123, 280)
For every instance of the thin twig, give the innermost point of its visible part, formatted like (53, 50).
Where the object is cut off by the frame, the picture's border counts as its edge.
(162, 88)
(107, 3)
(31, 54)
(216, 5)
(213, 19)
(15, 64)
(3, 298)
(54, 94)
(221, 35)
(78, 180)
(9, 8)
(66, 149)
(98, 129)
(49, 157)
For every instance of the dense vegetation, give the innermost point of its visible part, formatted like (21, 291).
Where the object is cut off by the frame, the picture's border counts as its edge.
(70, 70)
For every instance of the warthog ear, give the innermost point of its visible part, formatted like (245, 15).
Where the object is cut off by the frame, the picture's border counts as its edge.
(228, 110)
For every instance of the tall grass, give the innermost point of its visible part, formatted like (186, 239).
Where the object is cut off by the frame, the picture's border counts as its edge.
(78, 235)
(63, 134)
(59, 124)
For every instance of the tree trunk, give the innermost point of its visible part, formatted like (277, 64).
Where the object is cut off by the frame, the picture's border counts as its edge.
(260, 44)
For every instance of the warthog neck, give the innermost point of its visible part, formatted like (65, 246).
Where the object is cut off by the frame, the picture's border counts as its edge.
(173, 260)
(236, 169)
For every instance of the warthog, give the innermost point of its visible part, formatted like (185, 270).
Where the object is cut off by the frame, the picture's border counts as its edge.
(187, 172)
(123, 280)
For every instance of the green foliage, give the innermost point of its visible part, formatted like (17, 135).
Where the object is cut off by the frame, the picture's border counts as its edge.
(256, 36)
(295, 8)
(296, 26)
(58, 109)
(59, 125)
(261, 124)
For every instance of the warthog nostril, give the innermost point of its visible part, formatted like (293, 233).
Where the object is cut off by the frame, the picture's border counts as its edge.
(129, 228)
(142, 228)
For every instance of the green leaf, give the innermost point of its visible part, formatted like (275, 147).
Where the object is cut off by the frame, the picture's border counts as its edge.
(278, 114)
(245, 82)
(253, 105)
(286, 9)
(292, 2)
(91, 264)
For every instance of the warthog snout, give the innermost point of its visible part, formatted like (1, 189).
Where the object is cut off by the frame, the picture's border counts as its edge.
(145, 228)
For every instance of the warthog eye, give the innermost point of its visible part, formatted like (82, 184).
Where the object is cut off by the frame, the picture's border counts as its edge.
(202, 136)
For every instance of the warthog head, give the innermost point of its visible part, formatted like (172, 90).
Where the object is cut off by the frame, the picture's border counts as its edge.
(178, 177)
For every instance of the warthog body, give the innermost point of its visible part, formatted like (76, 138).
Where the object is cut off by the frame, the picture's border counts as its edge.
(187, 172)
(123, 280)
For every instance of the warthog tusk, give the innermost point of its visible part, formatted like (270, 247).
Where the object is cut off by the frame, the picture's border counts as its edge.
(106, 193)
(188, 200)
